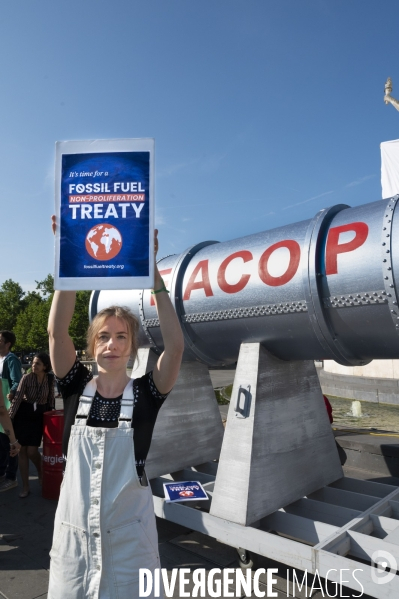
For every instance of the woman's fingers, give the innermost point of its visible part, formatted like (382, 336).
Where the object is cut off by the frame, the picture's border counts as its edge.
(156, 243)
(53, 223)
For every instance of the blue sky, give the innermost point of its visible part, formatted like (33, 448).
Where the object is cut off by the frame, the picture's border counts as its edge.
(263, 111)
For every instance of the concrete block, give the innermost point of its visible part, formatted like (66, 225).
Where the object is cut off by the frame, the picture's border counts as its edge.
(189, 429)
(284, 449)
(371, 396)
(389, 398)
(384, 465)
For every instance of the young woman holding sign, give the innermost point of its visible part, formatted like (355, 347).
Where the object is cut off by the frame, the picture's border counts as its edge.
(105, 524)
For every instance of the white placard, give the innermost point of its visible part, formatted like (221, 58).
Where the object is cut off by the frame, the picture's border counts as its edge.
(104, 201)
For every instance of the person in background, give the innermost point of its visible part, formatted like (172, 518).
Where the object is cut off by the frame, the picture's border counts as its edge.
(6, 423)
(10, 374)
(34, 396)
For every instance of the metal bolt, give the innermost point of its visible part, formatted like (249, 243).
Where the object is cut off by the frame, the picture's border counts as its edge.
(384, 229)
(387, 251)
(384, 260)
(387, 235)
(385, 278)
(383, 243)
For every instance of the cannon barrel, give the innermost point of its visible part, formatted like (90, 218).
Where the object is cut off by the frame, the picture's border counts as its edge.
(324, 288)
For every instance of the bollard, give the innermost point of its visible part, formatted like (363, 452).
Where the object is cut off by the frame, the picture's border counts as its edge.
(52, 460)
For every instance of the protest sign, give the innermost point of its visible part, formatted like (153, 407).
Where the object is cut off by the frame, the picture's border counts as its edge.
(104, 192)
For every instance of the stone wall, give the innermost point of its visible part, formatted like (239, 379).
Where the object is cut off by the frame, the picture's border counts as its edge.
(377, 369)
(377, 390)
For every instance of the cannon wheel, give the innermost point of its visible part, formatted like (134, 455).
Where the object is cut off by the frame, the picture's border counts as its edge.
(244, 559)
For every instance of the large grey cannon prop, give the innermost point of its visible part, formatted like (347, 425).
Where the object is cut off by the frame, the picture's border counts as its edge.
(276, 300)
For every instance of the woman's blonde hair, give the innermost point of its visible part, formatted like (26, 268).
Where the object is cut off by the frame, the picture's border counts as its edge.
(99, 320)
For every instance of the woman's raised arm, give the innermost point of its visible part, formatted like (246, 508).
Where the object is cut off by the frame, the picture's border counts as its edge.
(62, 349)
(167, 368)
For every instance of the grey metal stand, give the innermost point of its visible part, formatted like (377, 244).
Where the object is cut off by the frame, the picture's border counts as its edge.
(189, 429)
(278, 444)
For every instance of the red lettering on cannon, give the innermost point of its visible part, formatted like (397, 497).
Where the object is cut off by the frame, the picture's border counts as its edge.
(223, 284)
(295, 256)
(333, 247)
(203, 283)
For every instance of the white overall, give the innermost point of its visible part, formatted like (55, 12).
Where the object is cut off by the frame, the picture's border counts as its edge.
(104, 527)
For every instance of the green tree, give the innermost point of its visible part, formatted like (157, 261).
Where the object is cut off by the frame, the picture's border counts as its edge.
(33, 308)
(31, 326)
(46, 287)
(80, 320)
(11, 303)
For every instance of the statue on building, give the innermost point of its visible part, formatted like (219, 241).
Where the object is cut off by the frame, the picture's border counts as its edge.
(388, 98)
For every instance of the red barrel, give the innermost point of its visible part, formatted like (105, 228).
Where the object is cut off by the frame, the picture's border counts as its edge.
(52, 460)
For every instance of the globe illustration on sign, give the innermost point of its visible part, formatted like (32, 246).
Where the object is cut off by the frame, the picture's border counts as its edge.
(103, 242)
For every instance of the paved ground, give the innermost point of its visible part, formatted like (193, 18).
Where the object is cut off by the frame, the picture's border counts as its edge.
(26, 527)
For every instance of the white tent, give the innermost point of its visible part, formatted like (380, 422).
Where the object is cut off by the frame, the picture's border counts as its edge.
(390, 168)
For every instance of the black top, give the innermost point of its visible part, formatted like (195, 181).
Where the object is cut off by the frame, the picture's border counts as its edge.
(105, 412)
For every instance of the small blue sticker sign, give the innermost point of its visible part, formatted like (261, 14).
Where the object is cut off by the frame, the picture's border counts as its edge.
(184, 491)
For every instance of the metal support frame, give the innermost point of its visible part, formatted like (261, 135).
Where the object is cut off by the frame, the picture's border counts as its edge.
(320, 534)
(326, 529)
(188, 428)
(278, 443)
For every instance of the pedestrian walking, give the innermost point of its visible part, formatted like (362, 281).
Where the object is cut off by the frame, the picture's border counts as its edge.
(10, 374)
(6, 423)
(34, 396)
